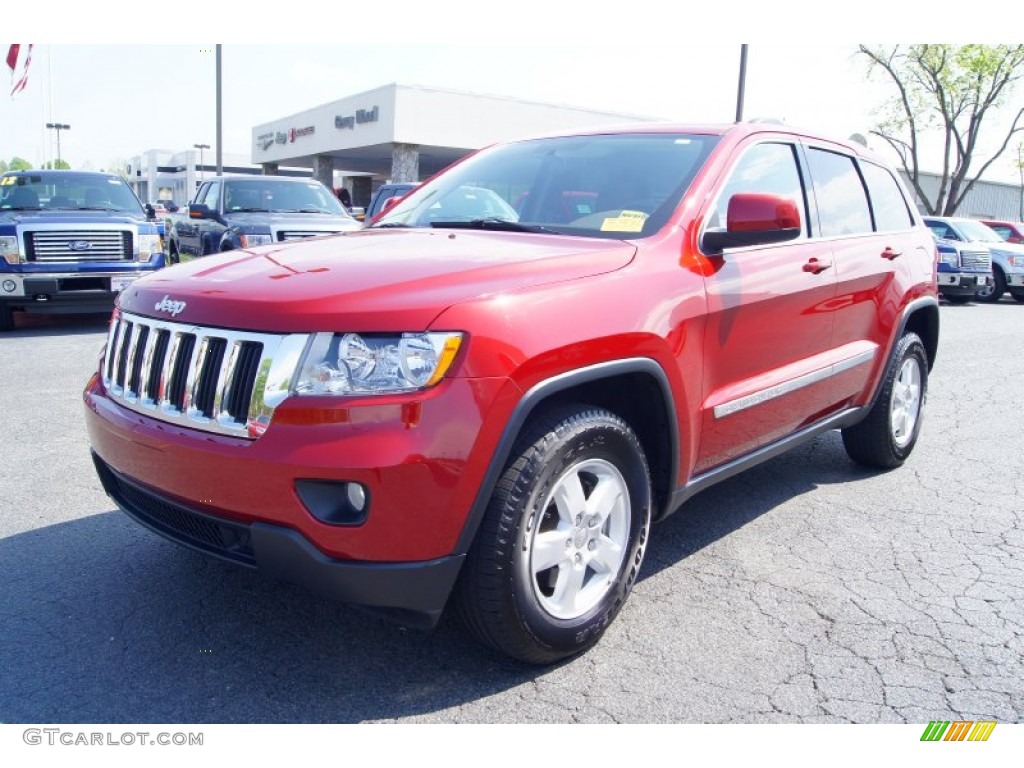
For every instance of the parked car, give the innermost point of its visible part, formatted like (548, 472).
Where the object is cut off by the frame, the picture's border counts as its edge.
(1007, 259)
(470, 407)
(70, 241)
(1010, 231)
(382, 195)
(964, 268)
(231, 212)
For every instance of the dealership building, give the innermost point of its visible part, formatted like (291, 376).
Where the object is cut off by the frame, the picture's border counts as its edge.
(406, 133)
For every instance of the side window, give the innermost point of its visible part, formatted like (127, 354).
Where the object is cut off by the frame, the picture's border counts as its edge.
(212, 195)
(1004, 232)
(887, 202)
(842, 202)
(766, 168)
(201, 193)
(941, 229)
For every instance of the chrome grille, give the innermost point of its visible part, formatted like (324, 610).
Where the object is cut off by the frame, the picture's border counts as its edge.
(64, 245)
(297, 234)
(210, 379)
(976, 260)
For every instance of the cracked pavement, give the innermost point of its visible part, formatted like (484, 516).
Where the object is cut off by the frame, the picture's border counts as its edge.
(806, 590)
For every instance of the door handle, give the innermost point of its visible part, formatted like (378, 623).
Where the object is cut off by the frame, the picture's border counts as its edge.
(890, 254)
(815, 266)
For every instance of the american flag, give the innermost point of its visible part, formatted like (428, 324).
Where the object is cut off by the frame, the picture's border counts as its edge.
(18, 59)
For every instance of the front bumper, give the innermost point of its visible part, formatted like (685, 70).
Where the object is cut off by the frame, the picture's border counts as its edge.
(67, 291)
(1015, 280)
(412, 593)
(963, 283)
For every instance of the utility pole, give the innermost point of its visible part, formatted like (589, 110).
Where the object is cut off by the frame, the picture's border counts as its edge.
(220, 129)
(201, 147)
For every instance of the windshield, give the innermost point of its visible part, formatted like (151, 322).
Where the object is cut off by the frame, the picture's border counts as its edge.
(67, 191)
(978, 232)
(242, 195)
(610, 186)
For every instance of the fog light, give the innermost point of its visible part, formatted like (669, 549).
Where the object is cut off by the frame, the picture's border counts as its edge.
(9, 286)
(334, 502)
(356, 496)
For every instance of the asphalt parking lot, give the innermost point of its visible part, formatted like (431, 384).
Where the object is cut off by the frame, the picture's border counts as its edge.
(807, 590)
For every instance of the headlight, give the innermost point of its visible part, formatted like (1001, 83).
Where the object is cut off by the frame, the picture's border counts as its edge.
(1015, 261)
(9, 249)
(149, 245)
(248, 241)
(950, 257)
(372, 364)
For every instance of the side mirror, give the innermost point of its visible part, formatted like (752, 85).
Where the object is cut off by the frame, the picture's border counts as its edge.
(199, 211)
(754, 219)
(390, 203)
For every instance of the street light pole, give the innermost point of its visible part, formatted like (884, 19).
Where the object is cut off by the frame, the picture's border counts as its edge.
(201, 147)
(1020, 167)
(58, 127)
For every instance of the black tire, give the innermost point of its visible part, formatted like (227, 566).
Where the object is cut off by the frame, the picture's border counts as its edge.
(172, 254)
(6, 317)
(1018, 297)
(993, 293)
(512, 602)
(958, 299)
(887, 436)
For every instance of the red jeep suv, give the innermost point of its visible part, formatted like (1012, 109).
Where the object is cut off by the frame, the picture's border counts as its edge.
(486, 398)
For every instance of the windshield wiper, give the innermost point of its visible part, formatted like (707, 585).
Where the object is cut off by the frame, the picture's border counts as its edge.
(391, 225)
(248, 210)
(97, 208)
(493, 222)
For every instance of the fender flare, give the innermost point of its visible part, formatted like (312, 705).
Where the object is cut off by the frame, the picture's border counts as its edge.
(537, 395)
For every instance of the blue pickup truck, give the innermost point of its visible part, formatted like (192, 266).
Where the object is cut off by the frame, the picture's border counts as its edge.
(70, 241)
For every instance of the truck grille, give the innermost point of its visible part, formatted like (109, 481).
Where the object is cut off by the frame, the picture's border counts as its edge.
(208, 379)
(76, 245)
(979, 261)
(296, 235)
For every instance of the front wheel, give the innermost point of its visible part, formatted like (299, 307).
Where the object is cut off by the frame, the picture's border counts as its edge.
(887, 436)
(993, 293)
(563, 537)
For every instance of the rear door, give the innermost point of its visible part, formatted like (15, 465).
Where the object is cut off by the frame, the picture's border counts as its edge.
(867, 225)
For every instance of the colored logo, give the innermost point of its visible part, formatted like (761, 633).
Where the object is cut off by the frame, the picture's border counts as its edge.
(958, 730)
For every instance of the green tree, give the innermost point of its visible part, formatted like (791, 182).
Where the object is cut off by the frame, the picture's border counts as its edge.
(951, 90)
(60, 165)
(19, 164)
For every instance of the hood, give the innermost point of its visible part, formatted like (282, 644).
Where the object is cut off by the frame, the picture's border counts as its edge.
(308, 222)
(34, 217)
(370, 280)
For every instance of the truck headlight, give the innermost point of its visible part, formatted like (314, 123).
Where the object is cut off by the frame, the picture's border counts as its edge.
(375, 364)
(1015, 261)
(950, 257)
(149, 246)
(249, 241)
(9, 249)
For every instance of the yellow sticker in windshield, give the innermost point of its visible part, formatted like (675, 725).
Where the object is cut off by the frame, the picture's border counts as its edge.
(7, 180)
(627, 221)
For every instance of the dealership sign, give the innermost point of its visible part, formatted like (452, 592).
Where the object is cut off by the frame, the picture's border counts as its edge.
(297, 133)
(361, 116)
(266, 140)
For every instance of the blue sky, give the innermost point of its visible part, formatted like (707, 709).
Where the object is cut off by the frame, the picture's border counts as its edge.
(124, 90)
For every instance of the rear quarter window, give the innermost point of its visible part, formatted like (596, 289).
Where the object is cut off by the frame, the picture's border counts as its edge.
(888, 204)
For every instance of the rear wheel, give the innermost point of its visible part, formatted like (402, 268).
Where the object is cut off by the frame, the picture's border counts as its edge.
(6, 317)
(562, 539)
(172, 254)
(887, 436)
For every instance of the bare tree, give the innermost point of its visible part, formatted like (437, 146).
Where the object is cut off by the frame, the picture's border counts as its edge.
(951, 89)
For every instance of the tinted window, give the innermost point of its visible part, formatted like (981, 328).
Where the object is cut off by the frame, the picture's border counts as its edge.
(887, 202)
(1004, 232)
(67, 190)
(842, 202)
(941, 229)
(766, 168)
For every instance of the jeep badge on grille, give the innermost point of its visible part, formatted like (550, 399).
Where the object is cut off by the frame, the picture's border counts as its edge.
(167, 304)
